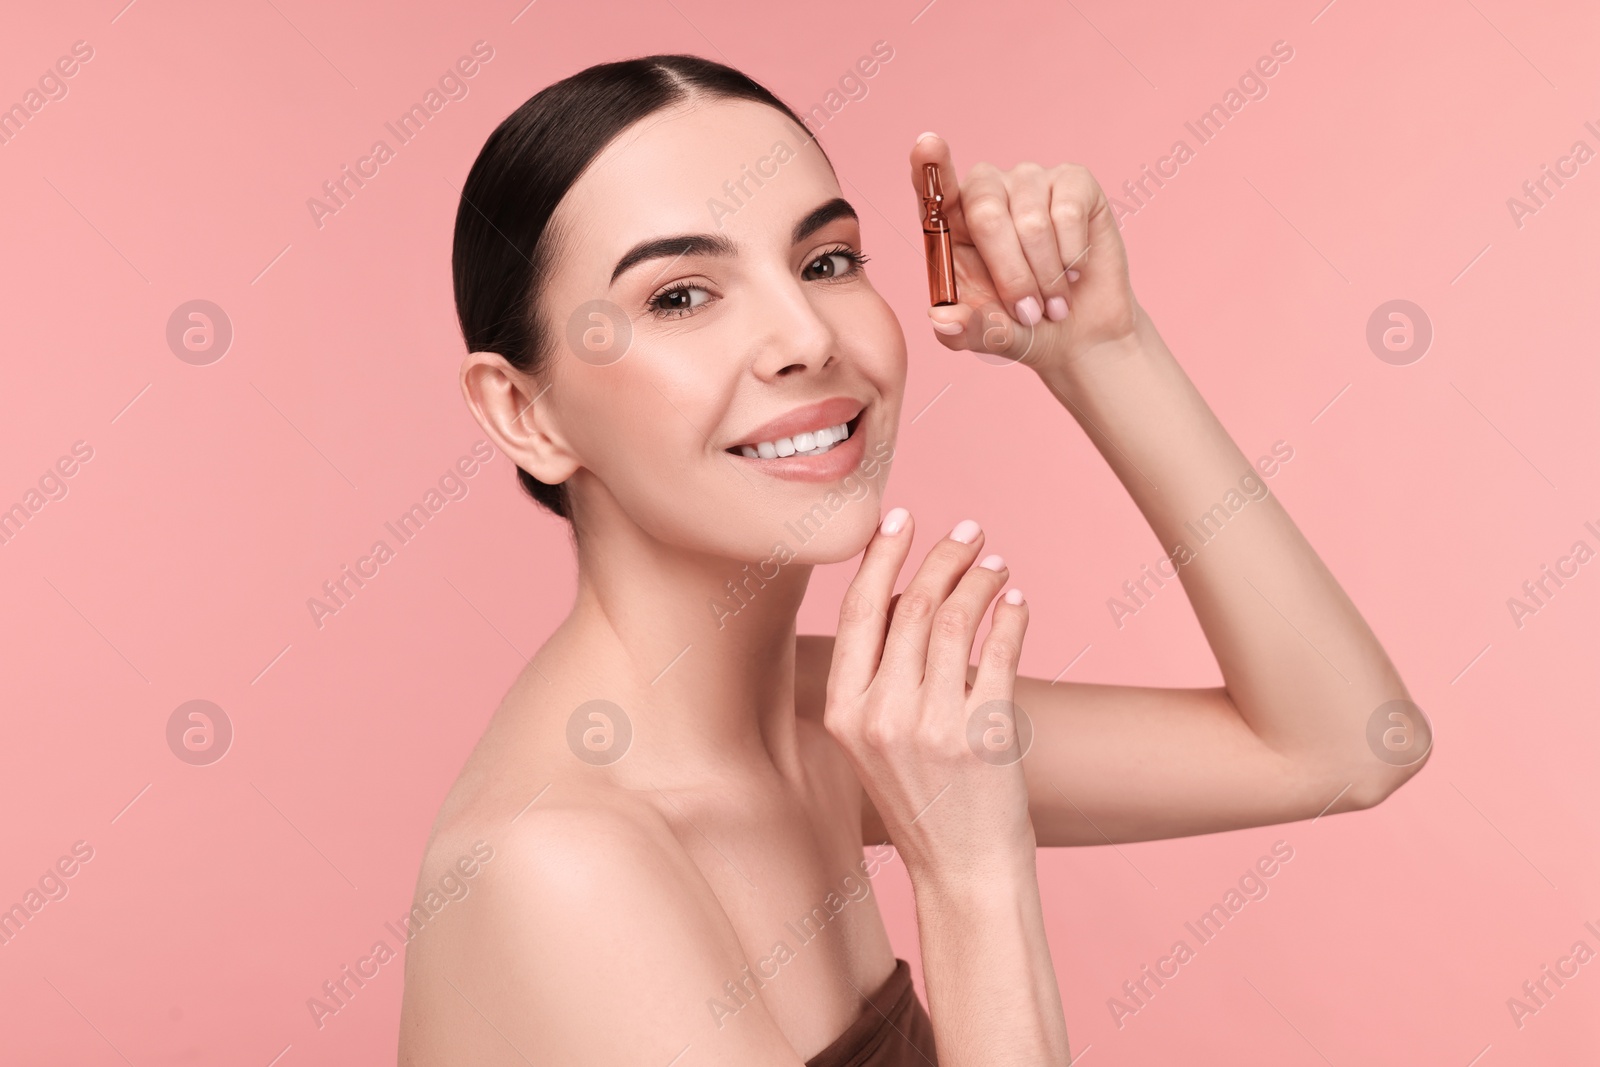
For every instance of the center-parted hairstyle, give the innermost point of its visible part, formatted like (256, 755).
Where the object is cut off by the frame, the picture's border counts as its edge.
(505, 248)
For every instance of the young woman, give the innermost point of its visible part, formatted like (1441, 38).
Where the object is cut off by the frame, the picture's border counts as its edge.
(690, 364)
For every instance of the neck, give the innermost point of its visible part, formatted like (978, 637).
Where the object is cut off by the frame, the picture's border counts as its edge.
(697, 650)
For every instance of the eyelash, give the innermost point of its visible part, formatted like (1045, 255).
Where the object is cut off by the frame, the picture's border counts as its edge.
(857, 259)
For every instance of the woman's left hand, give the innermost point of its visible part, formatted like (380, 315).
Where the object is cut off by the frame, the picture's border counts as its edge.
(1041, 272)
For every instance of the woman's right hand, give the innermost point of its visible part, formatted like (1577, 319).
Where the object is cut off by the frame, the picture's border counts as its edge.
(941, 760)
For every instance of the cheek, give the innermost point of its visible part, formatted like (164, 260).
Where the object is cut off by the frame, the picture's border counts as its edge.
(882, 357)
(638, 433)
(638, 447)
(872, 340)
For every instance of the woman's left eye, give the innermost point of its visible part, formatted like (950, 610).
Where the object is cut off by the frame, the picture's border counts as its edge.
(839, 262)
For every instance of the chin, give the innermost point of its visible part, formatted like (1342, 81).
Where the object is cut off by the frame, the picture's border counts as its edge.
(844, 534)
(833, 521)
(803, 520)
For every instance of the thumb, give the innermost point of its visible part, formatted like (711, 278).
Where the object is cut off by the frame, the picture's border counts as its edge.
(989, 331)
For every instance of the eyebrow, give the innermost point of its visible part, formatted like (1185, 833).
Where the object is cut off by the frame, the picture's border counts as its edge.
(716, 244)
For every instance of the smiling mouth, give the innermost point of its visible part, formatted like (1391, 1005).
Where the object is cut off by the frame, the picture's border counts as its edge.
(811, 443)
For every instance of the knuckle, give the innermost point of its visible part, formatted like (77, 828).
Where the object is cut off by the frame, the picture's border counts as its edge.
(1028, 169)
(986, 212)
(934, 734)
(856, 607)
(1001, 652)
(838, 730)
(839, 715)
(915, 605)
(1067, 212)
(880, 734)
(947, 561)
(1079, 174)
(1033, 224)
(953, 620)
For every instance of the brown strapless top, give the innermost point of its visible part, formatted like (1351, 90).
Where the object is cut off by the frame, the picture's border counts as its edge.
(893, 1030)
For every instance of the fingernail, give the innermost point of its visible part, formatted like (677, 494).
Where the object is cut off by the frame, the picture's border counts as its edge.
(1014, 597)
(1073, 275)
(924, 136)
(1056, 308)
(1028, 310)
(966, 532)
(893, 521)
(949, 329)
(993, 563)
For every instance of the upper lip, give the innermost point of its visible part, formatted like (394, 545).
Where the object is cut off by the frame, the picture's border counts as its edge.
(830, 412)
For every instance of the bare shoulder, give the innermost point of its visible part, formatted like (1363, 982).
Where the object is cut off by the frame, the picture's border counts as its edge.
(586, 935)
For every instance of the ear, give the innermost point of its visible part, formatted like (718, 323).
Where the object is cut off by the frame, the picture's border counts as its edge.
(514, 409)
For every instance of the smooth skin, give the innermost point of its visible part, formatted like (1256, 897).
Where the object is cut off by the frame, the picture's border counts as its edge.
(623, 896)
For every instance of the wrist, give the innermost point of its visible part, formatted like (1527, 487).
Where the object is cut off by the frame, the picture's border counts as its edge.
(975, 885)
(1087, 369)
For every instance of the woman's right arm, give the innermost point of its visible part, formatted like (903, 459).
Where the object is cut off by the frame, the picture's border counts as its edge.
(941, 763)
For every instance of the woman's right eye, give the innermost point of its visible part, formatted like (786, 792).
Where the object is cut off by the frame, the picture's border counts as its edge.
(675, 301)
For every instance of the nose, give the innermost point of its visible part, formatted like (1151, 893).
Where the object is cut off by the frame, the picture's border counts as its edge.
(789, 335)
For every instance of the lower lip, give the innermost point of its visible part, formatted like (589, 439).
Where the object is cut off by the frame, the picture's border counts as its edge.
(832, 465)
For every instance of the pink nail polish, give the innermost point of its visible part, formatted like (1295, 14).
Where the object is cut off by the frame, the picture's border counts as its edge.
(966, 532)
(993, 563)
(1056, 308)
(1073, 275)
(895, 521)
(949, 329)
(1014, 596)
(1028, 311)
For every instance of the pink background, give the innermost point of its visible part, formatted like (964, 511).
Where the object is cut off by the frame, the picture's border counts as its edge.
(220, 497)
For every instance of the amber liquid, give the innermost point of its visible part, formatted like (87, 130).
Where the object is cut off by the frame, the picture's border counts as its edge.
(941, 266)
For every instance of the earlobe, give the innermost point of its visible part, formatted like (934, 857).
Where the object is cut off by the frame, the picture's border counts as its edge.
(515, 410)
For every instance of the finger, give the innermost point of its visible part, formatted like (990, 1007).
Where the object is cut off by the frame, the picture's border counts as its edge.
(1074, 195)
(931, 148)
(955, 624)
(993, 331)
(864, 611)
(956, 325)
(986, 204)
(1030, 187)
(996, 676)
(905, 649)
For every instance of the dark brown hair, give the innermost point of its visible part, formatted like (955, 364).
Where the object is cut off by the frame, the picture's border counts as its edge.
(504, 245)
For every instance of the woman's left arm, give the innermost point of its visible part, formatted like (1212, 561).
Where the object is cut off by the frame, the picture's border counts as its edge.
(1310, 698)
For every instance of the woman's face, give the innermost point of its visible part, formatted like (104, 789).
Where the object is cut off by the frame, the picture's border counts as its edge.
(747, 327)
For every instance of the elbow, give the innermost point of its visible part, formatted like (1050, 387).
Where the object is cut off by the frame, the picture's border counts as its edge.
(1399, 741)
(1375, 784)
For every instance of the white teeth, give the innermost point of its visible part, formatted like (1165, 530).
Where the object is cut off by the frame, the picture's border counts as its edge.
(813, 443)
